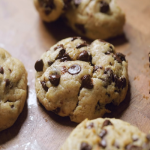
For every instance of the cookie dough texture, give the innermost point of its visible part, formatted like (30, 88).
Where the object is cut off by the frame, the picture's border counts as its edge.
(76, 79)
(96, 19)
(106, 134)
(49, 10)
(13, 89)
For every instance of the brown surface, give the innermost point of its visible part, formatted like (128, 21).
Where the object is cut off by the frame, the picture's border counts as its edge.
(26, 37)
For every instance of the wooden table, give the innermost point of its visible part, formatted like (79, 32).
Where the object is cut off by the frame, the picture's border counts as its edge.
(26, 37)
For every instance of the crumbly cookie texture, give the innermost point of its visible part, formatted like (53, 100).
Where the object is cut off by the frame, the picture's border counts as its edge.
(13, 89)
(50, 10)
(96, 19)
(106, 134)
(76, 79)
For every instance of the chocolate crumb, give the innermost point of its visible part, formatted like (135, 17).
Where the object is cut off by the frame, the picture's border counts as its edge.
(1, 70)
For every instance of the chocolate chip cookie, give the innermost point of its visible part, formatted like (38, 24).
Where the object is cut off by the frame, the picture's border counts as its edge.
(13, 89)
(95, 19)
(106, 134)
(50, 10)
(76, 79)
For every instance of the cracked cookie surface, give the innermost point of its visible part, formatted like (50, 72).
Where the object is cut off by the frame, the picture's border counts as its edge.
(13, 89)
(76, 79)
(50, 10)
(106, 134)
(96, 19)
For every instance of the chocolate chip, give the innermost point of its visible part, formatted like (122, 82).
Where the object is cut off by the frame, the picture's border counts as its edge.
(74, 38)
(54, 79)
(95, 68)
(12, 106)
(103, 133)
(61, 54)
(77, 2)
(87, 82)
(47, 11)
(7, 82)
(85, 146)
(1, 70)
(74, 69)
(133, 147)
(148, 137)
(65, 57)
(57, 110)
(119, 57)
(44, 86)
(91, 125)
(84, 56)
(98, 106)
(64, 70)
(39, 65)
(59, 46)
(119, 82)
(104, 7)
(81, 28)
(103, 143)
(107, 123)
(81, 45)
(50, 63)
(109, 76)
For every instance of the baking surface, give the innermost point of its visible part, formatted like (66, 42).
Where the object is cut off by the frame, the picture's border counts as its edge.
(26, 37)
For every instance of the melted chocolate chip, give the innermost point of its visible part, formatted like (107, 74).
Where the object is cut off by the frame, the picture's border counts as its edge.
(91, 125)
(81, 28)
(133, 147)
(44, 86)
(74, 38)
(54, 79)
(107, 123)
(85, 146)
(7, 82)
(50, 63)
(103, 133)
(84, 56)
(59, 46)
(39, 65)
(61, 54)
(119, 82)
(74, 69)
(148, 137)
(81, 45)
(1, 70)
(103, 143)
(104, 7)
(87, 82)
(65, 57)
(57, 110)
(77, 2)
(119, 57)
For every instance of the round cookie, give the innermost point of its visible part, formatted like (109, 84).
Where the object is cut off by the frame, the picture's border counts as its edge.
(77, 80)
(96, 19)
(50, 10)
(106, 134)
(13, 89)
